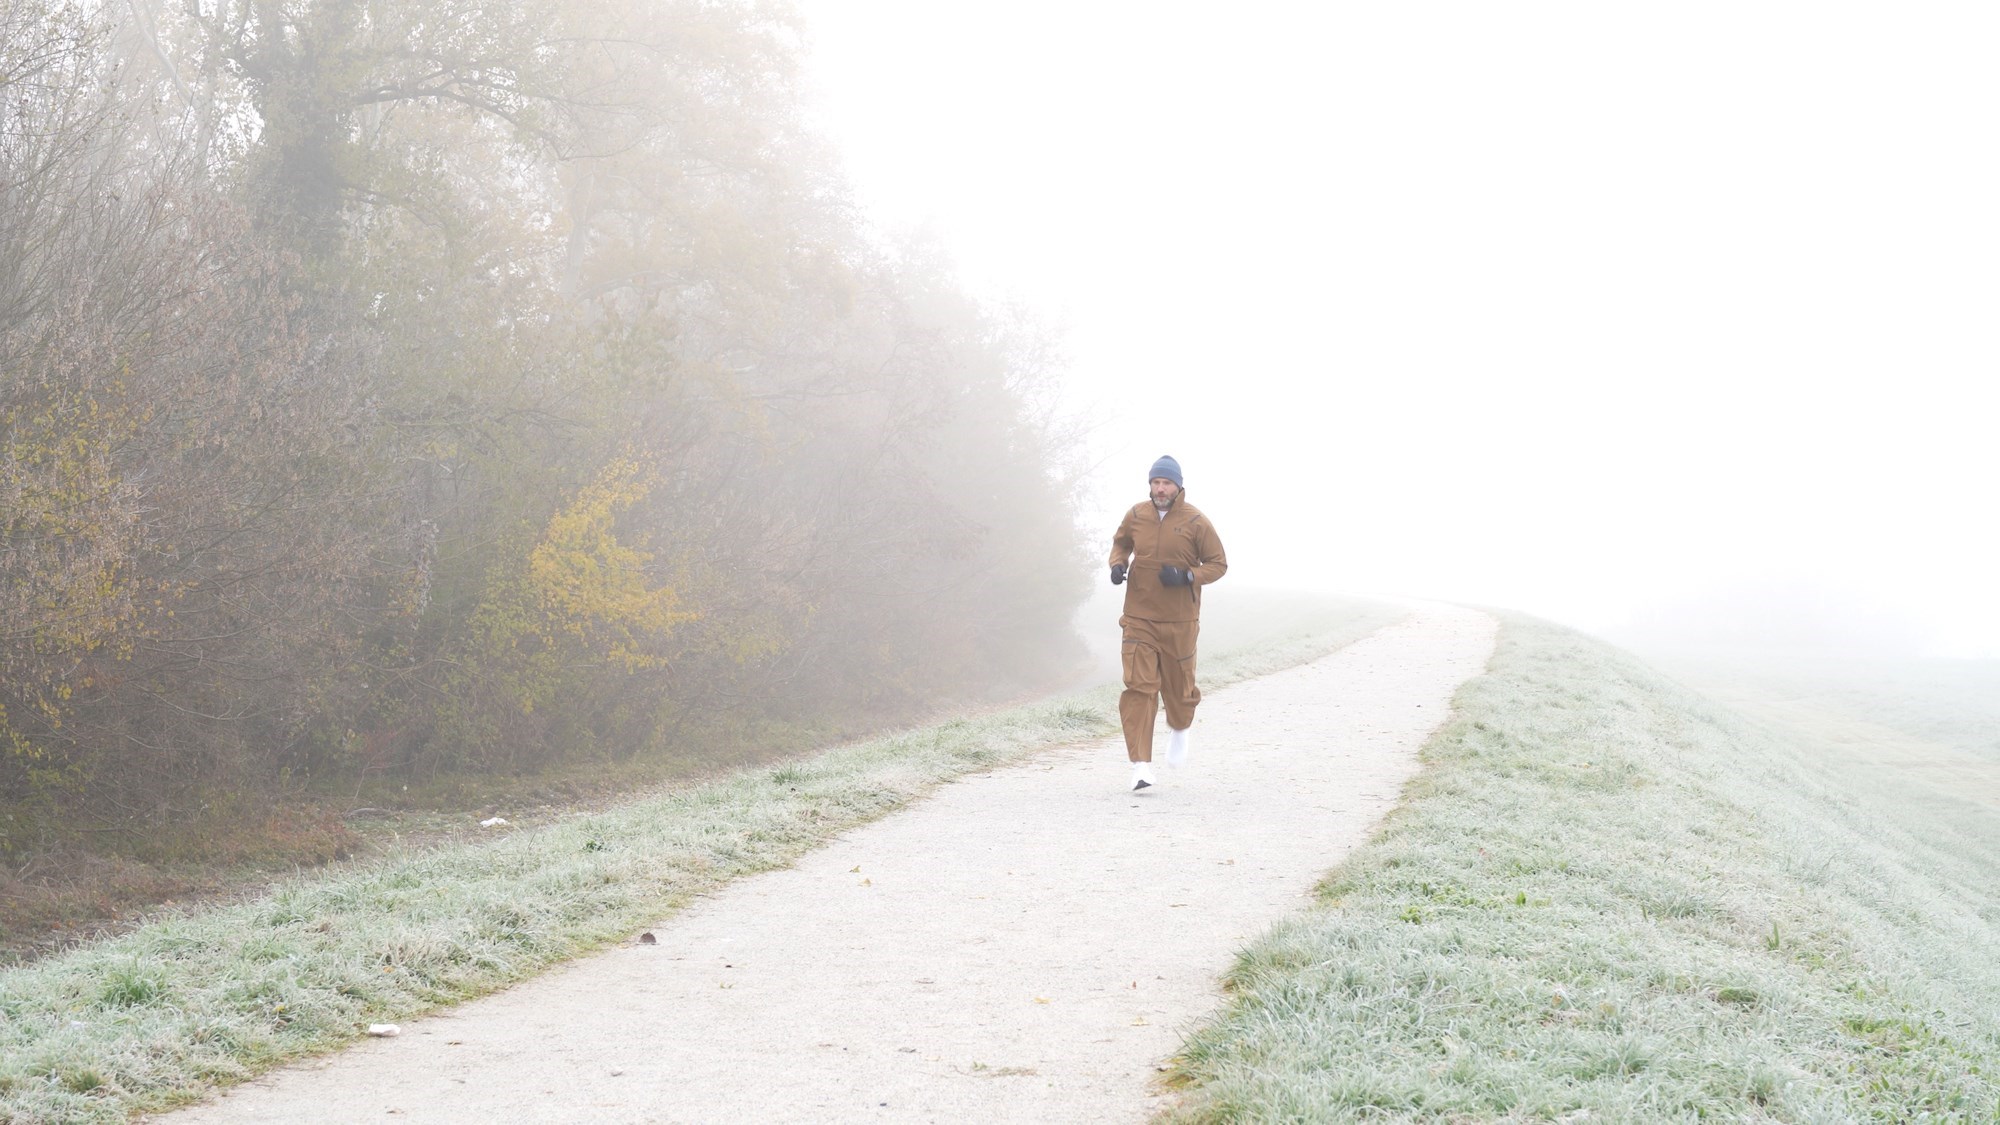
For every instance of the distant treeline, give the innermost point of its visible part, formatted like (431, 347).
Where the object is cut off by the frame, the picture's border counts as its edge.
(430, 387)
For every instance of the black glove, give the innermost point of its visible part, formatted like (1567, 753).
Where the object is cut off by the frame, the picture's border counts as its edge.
(1176, 576)
(1118, 574)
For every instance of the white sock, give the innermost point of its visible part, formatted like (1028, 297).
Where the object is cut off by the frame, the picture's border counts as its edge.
(1177, 746)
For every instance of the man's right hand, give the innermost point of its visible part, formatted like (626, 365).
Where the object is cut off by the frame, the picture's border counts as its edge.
(1118, 573)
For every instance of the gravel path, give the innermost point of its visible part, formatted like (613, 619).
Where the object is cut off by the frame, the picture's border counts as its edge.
(1027, 944)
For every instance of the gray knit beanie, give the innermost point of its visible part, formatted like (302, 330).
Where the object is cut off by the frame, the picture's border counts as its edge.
(1169, 468)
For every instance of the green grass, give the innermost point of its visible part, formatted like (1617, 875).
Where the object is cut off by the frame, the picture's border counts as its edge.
(189, 1001)
(1608, 898)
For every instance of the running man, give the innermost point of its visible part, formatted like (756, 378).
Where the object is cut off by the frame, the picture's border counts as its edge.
(1163, 553)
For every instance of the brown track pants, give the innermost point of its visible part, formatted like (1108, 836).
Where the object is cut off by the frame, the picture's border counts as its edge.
(1159, 667)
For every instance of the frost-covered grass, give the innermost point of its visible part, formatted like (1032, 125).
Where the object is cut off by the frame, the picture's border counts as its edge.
(161, 1015)
(1608, 898)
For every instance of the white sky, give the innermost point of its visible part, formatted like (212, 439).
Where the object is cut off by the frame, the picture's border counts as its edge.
(1581, 308)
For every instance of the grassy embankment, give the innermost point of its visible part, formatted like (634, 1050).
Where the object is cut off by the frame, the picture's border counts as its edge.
(1610, 898)
(160, 1015)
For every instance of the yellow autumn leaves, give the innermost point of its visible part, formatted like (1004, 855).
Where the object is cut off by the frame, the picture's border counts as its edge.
(595, 588)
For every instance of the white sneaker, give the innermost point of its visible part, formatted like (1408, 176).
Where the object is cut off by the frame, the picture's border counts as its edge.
(1142, 776)
(1177, 741)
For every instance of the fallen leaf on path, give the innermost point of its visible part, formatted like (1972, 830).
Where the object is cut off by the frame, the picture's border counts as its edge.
(1041, 999)
(647, 938)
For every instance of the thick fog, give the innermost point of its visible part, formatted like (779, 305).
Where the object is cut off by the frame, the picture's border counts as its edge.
(1663, 320)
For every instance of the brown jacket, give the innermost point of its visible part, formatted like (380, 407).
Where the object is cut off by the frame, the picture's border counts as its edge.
(1184, 538)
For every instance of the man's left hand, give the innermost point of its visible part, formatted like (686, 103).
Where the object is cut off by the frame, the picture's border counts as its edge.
(1176, 576)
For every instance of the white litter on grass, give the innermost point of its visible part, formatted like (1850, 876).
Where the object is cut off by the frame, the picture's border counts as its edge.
(493, 822)
(384, 1030)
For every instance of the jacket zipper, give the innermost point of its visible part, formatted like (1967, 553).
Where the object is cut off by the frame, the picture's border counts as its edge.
(1160, 552)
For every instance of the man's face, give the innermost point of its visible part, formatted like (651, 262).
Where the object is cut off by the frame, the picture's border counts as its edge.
(1164, 492)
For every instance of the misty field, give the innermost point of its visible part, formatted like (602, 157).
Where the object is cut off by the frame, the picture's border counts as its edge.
(196, 998)
(1954, 703)
(1611, 898)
